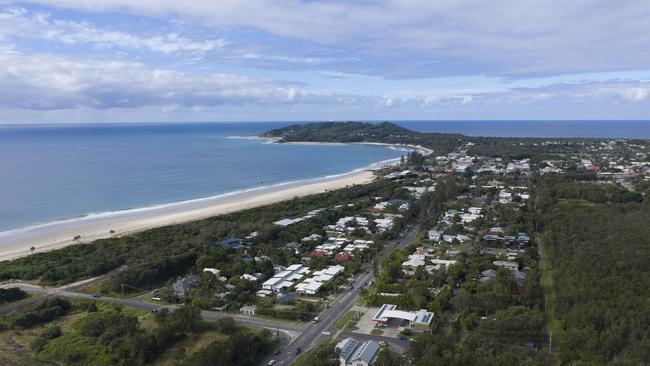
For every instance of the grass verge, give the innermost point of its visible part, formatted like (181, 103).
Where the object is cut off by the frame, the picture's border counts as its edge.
(343, 321)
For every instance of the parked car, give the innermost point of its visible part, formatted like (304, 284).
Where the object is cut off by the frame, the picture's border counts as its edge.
(326, 333)
(272, 362)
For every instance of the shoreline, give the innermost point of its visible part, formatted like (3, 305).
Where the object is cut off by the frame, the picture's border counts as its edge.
(423, 150)
(55, 235)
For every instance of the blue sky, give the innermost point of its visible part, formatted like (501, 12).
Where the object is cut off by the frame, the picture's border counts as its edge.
(256, 60)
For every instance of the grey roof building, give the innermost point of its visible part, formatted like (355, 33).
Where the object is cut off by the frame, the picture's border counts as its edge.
(520, 278)
(354, 354)
(182, 286)
(233, 243)
(488, 275)
(347, 347)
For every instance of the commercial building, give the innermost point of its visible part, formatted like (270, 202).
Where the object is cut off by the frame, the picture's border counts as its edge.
(417, 319)
(353, 353)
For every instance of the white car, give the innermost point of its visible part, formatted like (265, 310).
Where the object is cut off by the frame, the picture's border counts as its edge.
(272, 362)
(326, 333)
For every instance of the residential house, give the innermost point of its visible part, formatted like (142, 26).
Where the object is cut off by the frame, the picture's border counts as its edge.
(513, 266)
(183, 285)
(232, 243)
(312, 285)
(488, 275)
(248, 310)
(285, 279)
(434, 235)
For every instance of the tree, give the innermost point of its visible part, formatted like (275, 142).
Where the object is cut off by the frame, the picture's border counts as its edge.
(387, 357)
(226, 325)
(324, 355)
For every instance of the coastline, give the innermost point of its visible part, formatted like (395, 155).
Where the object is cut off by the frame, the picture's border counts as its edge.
(56, 235)
(423, 150)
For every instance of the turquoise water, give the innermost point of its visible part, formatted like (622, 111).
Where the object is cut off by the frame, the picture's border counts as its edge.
(62, 172)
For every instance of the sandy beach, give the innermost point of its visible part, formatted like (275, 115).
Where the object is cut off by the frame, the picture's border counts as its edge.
(17, 243)
(423, 150)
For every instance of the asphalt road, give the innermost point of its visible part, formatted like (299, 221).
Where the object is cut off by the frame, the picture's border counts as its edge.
(312, 333)
(293, 336)
(289, 330)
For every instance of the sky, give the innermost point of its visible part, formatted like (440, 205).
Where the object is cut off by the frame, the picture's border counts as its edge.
(85, 61)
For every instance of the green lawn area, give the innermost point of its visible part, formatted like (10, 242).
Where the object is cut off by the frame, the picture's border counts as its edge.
(302, 360)
(376, 332)
(343, 321)
(99, 287)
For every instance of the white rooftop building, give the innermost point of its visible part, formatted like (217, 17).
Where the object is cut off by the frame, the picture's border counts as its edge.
(420, 318)
(312, 285)
(513, 266)
(286, 278)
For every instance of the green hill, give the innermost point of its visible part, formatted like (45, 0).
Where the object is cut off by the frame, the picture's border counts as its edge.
(384, 132)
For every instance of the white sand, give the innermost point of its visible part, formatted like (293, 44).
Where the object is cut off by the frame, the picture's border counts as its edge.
(17, 243)
(423, 150)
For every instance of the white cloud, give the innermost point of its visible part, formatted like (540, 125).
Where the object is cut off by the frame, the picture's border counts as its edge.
(635, 94)
(44, 82)
(18, 23)
(49, 82)
(501, 37)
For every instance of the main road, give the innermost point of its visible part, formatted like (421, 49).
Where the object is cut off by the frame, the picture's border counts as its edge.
(339, 306)
(295, 337)
(289, 329)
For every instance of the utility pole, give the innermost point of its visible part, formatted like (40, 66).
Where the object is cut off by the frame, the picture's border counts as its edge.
(550, 342)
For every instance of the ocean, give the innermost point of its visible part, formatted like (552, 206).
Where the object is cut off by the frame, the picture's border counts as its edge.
(50, 173)
(586, 129)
